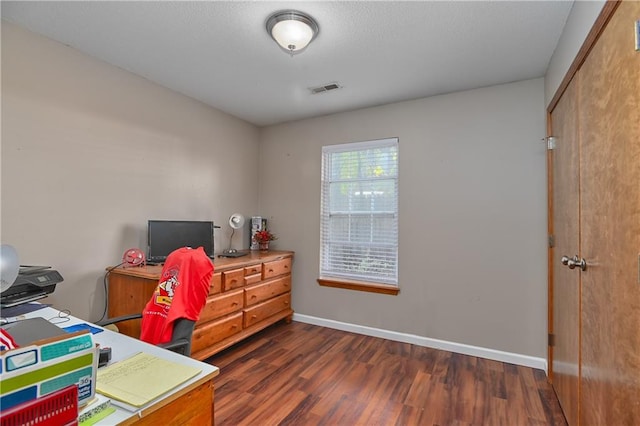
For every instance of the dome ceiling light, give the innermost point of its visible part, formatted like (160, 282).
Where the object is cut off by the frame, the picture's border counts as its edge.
(292, 30)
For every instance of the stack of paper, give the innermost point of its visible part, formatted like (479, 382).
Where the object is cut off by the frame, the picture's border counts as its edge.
(142, 378)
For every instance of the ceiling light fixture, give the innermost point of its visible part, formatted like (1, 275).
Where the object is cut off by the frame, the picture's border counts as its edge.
(292, 30)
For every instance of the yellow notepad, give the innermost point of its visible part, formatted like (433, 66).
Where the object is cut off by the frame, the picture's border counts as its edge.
(142, 378)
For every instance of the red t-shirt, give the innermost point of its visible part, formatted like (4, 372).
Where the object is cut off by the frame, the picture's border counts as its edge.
(181, 293)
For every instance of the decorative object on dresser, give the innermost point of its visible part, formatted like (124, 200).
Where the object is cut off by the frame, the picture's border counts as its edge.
(258, 223)
(246, 295)
(263, 238)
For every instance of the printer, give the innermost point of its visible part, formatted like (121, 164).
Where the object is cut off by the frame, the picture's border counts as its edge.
(32, 283)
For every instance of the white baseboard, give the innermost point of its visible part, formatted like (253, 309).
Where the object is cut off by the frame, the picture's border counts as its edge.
(513, 358)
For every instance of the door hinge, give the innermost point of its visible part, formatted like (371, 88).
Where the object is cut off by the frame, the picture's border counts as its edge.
(551, 143)
(552, 339)
(552, 240)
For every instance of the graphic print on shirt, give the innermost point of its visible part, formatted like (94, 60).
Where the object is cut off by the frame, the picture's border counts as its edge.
(166, 289)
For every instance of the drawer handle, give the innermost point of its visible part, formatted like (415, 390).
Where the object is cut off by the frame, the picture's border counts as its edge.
(234, 304)
(234, 326)
(254, 316)
(286, 302)
(270, 270)
(253, 296)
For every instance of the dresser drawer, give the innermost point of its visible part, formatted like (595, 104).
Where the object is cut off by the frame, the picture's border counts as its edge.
(276, 267)
(215, 285)
(215, 331)
(253, 269)
(252, 279)
(232, 279)
(264, 310)
(221, 305)
(261, 292)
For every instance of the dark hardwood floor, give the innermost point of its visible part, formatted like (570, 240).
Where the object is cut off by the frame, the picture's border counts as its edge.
(301, 374)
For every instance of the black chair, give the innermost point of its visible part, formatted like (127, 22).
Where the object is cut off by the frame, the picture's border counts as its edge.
(182, 332)
(180, 296)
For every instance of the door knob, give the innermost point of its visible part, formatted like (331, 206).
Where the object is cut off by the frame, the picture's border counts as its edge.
(579, 262)
(573, 262)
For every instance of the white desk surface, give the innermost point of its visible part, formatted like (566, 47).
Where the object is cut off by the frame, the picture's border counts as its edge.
(123, 347)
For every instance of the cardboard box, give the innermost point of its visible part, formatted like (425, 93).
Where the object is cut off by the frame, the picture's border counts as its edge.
(47, 365)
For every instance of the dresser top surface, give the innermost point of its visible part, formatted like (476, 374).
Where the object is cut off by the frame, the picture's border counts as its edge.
(220, 264)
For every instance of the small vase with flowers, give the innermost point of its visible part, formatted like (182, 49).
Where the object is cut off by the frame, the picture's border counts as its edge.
(263, 238)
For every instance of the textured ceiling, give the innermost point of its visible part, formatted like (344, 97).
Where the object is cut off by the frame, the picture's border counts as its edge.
(380, 52)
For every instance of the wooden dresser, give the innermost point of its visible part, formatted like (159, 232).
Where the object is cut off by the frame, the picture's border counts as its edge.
(246, 295)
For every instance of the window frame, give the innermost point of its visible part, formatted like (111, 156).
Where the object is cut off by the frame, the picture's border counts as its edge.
(342, 279)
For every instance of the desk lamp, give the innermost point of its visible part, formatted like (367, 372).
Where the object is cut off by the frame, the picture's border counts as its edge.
(236, 221)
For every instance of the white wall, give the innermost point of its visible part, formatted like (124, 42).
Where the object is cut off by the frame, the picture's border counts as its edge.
(583, 15)
(91, 152)
(472, 215)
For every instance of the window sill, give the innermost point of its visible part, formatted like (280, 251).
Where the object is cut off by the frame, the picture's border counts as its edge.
(359, 286)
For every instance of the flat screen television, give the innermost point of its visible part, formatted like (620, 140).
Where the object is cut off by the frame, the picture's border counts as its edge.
(165, 236)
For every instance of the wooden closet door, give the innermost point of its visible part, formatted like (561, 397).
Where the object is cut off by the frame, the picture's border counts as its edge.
(566, 282)
(610, 224)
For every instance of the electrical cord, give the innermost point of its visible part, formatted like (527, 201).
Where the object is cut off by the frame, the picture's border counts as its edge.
(63, 316)
(106, 290)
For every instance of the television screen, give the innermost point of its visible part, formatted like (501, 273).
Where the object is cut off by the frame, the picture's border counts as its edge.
(165, 236)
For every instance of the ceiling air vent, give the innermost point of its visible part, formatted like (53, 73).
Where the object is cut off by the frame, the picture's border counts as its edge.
(325, 88)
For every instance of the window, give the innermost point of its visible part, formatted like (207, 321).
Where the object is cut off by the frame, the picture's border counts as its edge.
(359, 213)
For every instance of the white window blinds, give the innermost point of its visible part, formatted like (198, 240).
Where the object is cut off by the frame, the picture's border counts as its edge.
(359, 212)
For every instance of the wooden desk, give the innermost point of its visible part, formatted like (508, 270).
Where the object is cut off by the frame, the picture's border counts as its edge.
(246, 295)
(188, 404)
